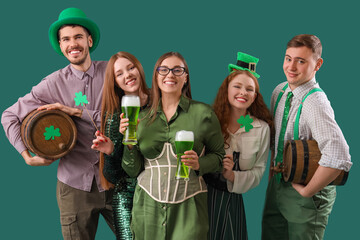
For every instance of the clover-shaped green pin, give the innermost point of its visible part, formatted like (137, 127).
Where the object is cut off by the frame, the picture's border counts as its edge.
(246, 121)
(51, 133)
(80, 99)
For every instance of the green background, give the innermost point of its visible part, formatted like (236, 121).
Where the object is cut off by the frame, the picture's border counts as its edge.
(208, 34)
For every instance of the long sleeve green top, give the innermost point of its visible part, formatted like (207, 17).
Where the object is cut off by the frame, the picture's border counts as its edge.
(191, 116)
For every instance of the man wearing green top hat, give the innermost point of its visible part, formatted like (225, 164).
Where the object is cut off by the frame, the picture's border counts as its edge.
(303, 112)
(81, 199)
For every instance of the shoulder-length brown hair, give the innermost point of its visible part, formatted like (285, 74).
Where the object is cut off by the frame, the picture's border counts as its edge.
(111, 99)
(155, 90)
(222, 106)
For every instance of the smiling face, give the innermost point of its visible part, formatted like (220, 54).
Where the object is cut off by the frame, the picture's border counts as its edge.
(241, 92)
(171, 84)
(74, 44)
(127, 76)
(300, 66)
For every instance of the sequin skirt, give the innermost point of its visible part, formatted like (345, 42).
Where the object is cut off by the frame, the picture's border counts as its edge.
(122, 206)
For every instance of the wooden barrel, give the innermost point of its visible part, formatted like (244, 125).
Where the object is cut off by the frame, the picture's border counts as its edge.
(50, 134)
(301, 161)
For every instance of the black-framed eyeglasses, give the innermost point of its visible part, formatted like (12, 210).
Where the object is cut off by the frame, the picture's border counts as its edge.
(177, 71)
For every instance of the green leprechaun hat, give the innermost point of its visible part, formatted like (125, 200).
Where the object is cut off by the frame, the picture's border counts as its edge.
(245, 62)
(73, 16)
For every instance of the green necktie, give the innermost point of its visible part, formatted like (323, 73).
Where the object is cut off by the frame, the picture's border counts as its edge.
(280, 148)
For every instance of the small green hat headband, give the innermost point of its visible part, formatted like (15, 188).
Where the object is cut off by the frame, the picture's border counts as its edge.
(245, 62)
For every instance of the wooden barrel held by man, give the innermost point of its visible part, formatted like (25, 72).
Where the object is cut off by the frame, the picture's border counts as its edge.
(50, 134)
(301, 159)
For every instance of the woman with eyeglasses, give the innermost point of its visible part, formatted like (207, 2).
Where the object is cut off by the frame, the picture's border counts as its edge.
(166, 207)
(124, 75)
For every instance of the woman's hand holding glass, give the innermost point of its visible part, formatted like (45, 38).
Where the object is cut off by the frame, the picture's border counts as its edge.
(191, 159)
(124, 122)
(102, 143)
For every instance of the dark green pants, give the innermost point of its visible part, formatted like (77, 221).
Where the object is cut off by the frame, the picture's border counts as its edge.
(288, 215)
(80, 210)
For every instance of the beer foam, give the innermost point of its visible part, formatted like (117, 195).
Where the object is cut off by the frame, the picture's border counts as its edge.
(130, 100)
(184, 136)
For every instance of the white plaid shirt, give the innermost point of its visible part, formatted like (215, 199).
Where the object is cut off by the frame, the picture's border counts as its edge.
(317, 121)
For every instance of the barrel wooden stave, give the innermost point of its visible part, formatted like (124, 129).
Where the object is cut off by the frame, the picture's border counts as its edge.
(33, 128)
(301, 159)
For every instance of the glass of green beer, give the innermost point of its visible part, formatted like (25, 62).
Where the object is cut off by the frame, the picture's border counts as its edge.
(130, 106)
(184, 141)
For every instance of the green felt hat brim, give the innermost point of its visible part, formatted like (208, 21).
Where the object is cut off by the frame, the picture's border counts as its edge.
(85, 22)
(232, 66)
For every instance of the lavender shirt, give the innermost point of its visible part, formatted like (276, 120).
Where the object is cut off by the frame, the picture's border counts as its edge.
(78, 168)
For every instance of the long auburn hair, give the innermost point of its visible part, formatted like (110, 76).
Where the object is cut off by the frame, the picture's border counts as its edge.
(222, 106)
(155, 90)
(111, 99)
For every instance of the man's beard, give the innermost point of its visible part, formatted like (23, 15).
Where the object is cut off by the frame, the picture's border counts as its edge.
(79, 61)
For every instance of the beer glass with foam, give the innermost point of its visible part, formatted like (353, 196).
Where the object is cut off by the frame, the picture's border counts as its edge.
(130, 106)
(184, 141)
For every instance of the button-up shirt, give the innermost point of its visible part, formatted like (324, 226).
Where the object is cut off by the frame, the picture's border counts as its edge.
(253, 147)
(317, 121)
(79, 167)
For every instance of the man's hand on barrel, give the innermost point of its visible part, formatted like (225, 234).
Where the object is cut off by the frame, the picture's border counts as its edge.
(57, 106)
(35, 160)
(102, 143)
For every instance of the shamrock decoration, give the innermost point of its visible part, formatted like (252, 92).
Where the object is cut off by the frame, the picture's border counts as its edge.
(79, 98)
(246, 121)
(51, 133)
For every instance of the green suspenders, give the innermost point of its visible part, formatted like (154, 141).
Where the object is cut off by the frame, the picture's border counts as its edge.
(296, 125)
(279, 97)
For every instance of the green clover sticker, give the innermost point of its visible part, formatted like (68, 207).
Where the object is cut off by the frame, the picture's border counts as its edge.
(80, 99)
(51, 133)
(246, 121)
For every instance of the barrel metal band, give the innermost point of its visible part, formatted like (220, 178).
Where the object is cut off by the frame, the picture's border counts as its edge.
(294, 161)
(343, 181)
(306, 161)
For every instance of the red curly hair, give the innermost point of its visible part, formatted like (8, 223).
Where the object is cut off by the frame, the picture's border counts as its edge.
(222, 106)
